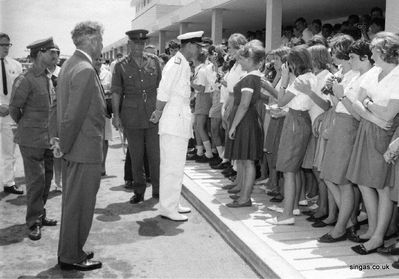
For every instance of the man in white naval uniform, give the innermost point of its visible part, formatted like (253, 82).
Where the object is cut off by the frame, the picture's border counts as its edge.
(175, 126)
(10, 70)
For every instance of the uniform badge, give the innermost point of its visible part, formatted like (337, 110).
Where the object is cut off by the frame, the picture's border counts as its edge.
(177, 60)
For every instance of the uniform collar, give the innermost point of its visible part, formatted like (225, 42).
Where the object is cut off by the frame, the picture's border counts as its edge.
(37, 71)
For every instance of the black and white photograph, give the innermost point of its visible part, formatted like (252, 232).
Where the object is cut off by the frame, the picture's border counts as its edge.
(199, 139)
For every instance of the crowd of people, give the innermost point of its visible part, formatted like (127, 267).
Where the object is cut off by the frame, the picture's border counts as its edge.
(316, 118)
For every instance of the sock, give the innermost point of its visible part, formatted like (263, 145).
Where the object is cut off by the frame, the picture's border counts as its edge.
(220, 150)
(200, 150)
(208, 149)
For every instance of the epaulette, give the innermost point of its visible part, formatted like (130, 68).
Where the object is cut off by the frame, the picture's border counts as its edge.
(177, 60)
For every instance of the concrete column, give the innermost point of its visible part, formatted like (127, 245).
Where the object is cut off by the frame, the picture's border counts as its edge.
(183, 27)
(161, 41)
(392, 16)
(274, 11)
(217, 26)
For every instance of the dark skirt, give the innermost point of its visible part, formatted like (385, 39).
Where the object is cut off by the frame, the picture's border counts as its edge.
(310, 153)
(339, 149)
(394, 174)
(272, 141)
(294, 141)
(367, 166)
(248, 141)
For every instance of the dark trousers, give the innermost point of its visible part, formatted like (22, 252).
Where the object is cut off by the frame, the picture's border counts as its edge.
(38, 167)
(80, 183)
(139, 141)
(128, 175)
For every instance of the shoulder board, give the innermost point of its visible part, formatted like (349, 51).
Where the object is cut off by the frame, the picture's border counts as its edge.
(177, 60)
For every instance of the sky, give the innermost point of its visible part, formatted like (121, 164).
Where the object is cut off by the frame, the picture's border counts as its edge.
(26, 21)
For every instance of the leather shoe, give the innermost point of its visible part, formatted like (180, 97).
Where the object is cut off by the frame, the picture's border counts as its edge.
(175, 217)
(275, 221)
(229, 186)
(361, 250)
(327, 238)
(277, 198)
(85, 265)
(312, 218)
(184, 209)
(390, 250)
(229, 173)
(221, 166)
(227, 170)
(356, 238)
(137, 198)
(49, 222)
(13, 190)
(321, 224)
(395, 264)
(233, 191)
(215, 161)
(35, 232)
(129, 184)
(236, 204)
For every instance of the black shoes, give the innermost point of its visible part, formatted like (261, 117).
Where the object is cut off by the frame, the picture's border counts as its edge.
(221, 166)
(216, 160)
(49, 222)
(35, 232)
(85, 265)
(13, 190)
(129, 184)
(203, 159)
(137, 198)
(327, 238)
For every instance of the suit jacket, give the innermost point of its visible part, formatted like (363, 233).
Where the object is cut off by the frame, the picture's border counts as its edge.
(81, 111)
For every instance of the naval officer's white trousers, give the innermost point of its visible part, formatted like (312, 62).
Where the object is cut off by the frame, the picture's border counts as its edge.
(173, 151)
(7, 151)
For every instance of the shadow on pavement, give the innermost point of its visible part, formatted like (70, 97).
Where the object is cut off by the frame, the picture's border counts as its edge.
(3, 195)
(121, 188)
(113, 211)
(12, 234)
(55, 272)
(18, 201)
(156, 227)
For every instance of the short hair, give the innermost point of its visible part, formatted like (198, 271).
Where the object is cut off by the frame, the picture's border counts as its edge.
(302, 20)
(317, 21)
(361, 48)
(352, 31)
(377, 9)
(281, 52)
(300, 60)
(340, 44)
(317, 40)
(353, 18)
(288, 28)
(236, 40)
(85, 31)
(173, 45)
(4, 35)
(379, 21)
(387, 44)
(337, 27)
(321, 58)
(254, 50)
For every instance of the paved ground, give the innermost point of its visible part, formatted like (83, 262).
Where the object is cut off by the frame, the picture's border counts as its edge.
(131, 241)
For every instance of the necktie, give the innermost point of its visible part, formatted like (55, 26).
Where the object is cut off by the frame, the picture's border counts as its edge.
(3, 74)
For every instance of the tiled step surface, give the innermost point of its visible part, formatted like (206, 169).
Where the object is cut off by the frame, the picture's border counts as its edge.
(277, 251)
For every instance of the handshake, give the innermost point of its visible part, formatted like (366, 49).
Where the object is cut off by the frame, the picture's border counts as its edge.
(55, 146)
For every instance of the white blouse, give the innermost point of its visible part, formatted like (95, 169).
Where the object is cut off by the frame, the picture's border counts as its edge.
(301, 101)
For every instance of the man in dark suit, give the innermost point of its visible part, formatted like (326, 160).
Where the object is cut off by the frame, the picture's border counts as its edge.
(80, 118)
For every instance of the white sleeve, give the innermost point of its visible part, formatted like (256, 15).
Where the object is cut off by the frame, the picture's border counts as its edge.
(170, 73)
